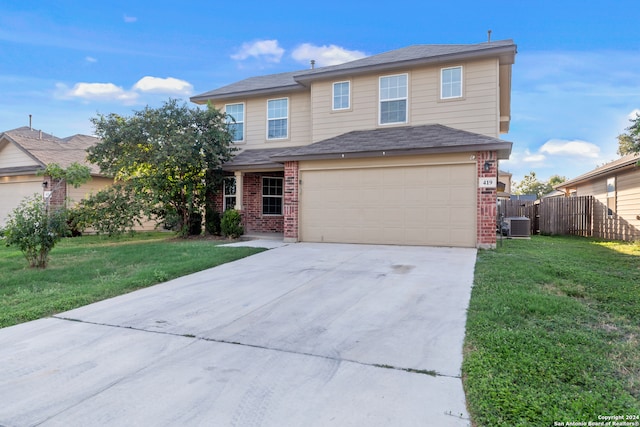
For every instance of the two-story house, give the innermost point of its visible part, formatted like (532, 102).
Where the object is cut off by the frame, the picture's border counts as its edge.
(396, 148)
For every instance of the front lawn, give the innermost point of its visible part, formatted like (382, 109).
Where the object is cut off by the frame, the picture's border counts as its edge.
(87, 269)
(553, 333)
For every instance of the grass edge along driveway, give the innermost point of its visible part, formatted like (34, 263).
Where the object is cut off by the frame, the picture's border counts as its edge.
(553, 333)
(87, 269)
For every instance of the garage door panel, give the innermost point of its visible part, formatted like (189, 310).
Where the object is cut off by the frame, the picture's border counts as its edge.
(421, 205)
(12, 193)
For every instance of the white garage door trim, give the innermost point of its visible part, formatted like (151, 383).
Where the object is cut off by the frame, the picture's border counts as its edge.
(418, 204)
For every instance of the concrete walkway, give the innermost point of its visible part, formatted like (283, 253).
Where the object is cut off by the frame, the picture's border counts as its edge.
(304, 334)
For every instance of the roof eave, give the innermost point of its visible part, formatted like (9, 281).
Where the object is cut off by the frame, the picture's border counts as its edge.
(204, 98)
(631, 164)
(255, 167)
(503, 149)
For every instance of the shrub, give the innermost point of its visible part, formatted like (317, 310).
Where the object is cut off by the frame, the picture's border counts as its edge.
(35, 229)
(230, 224)
(112, 211)
(212, 222)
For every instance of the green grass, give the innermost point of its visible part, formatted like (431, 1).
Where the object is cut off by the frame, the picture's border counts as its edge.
(553, 332)
(87, 269)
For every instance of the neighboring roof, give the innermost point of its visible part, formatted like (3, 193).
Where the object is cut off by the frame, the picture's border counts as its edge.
(626, 162)
(405, 57)
(44, 148)
(395, 141)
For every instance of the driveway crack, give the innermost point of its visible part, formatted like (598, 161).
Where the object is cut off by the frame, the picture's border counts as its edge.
(431, 373)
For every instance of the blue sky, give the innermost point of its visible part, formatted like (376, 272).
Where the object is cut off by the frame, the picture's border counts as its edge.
(576, 81)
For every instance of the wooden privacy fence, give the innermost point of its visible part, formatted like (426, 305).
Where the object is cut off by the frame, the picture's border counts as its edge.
(566, 215)
(554, 215)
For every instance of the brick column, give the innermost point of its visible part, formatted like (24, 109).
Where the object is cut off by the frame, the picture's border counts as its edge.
(291, 180)
(487, 200)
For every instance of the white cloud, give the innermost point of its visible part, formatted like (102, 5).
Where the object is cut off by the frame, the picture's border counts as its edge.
(169, 85)
(632, 115)
(267, 49)
(325, 55)
(570, 148)
(533, 158)
(90, 59)
(130, 19)
(96, 91)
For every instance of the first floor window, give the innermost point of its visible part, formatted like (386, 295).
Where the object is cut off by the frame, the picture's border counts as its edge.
(236, 126)
(393, 99)
(272, 196)
(277, 118)
(229, 193)
(451, 83)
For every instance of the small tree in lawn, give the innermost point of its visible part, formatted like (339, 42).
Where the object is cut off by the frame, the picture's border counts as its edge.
(34, 226)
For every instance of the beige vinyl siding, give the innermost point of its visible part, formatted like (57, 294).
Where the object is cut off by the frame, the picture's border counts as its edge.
(91, 187)
(255, 124)
(477, 111)
(628, 200)
(11, 156)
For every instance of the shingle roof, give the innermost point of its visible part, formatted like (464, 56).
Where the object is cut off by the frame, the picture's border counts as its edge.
(397, 141)
(623, 162)
(45, 148)
(411, 55)
(251, 158)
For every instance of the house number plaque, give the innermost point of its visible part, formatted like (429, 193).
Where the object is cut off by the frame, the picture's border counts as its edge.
(487, 182)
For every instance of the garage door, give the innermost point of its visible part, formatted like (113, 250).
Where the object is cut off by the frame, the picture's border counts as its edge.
(431, 205)
(13, 190)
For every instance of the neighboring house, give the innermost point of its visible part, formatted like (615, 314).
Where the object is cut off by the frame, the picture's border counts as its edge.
(504, 184)
(396, 148)
(616, 189)
(25, 153)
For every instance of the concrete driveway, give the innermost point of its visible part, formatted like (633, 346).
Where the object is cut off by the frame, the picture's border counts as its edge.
(304, 334)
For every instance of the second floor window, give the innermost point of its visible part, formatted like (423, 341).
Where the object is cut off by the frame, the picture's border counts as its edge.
(277, 118)
(341, 96)
(236, 126)
(451, 83)
(393, 99)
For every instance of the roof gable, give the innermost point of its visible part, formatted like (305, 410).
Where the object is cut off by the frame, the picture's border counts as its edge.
(44, 148)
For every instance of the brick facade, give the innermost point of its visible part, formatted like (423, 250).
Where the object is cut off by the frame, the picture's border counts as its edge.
(58, 190)
(487, 201)
(291, 182)
(252, 217)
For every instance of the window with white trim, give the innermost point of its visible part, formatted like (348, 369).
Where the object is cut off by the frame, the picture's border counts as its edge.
(611, 196)
(278, 118)
(393, 99)
(451, 82)
(272, 192)
(229, 193)
(342, 95)
(235, 121)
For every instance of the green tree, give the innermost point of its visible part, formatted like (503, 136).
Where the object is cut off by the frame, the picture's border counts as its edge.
(163, 156)
(33, 226)
(629, 142)
(530, 184)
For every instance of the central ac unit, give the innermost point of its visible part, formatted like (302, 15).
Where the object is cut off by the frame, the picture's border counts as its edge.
(518, 226)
